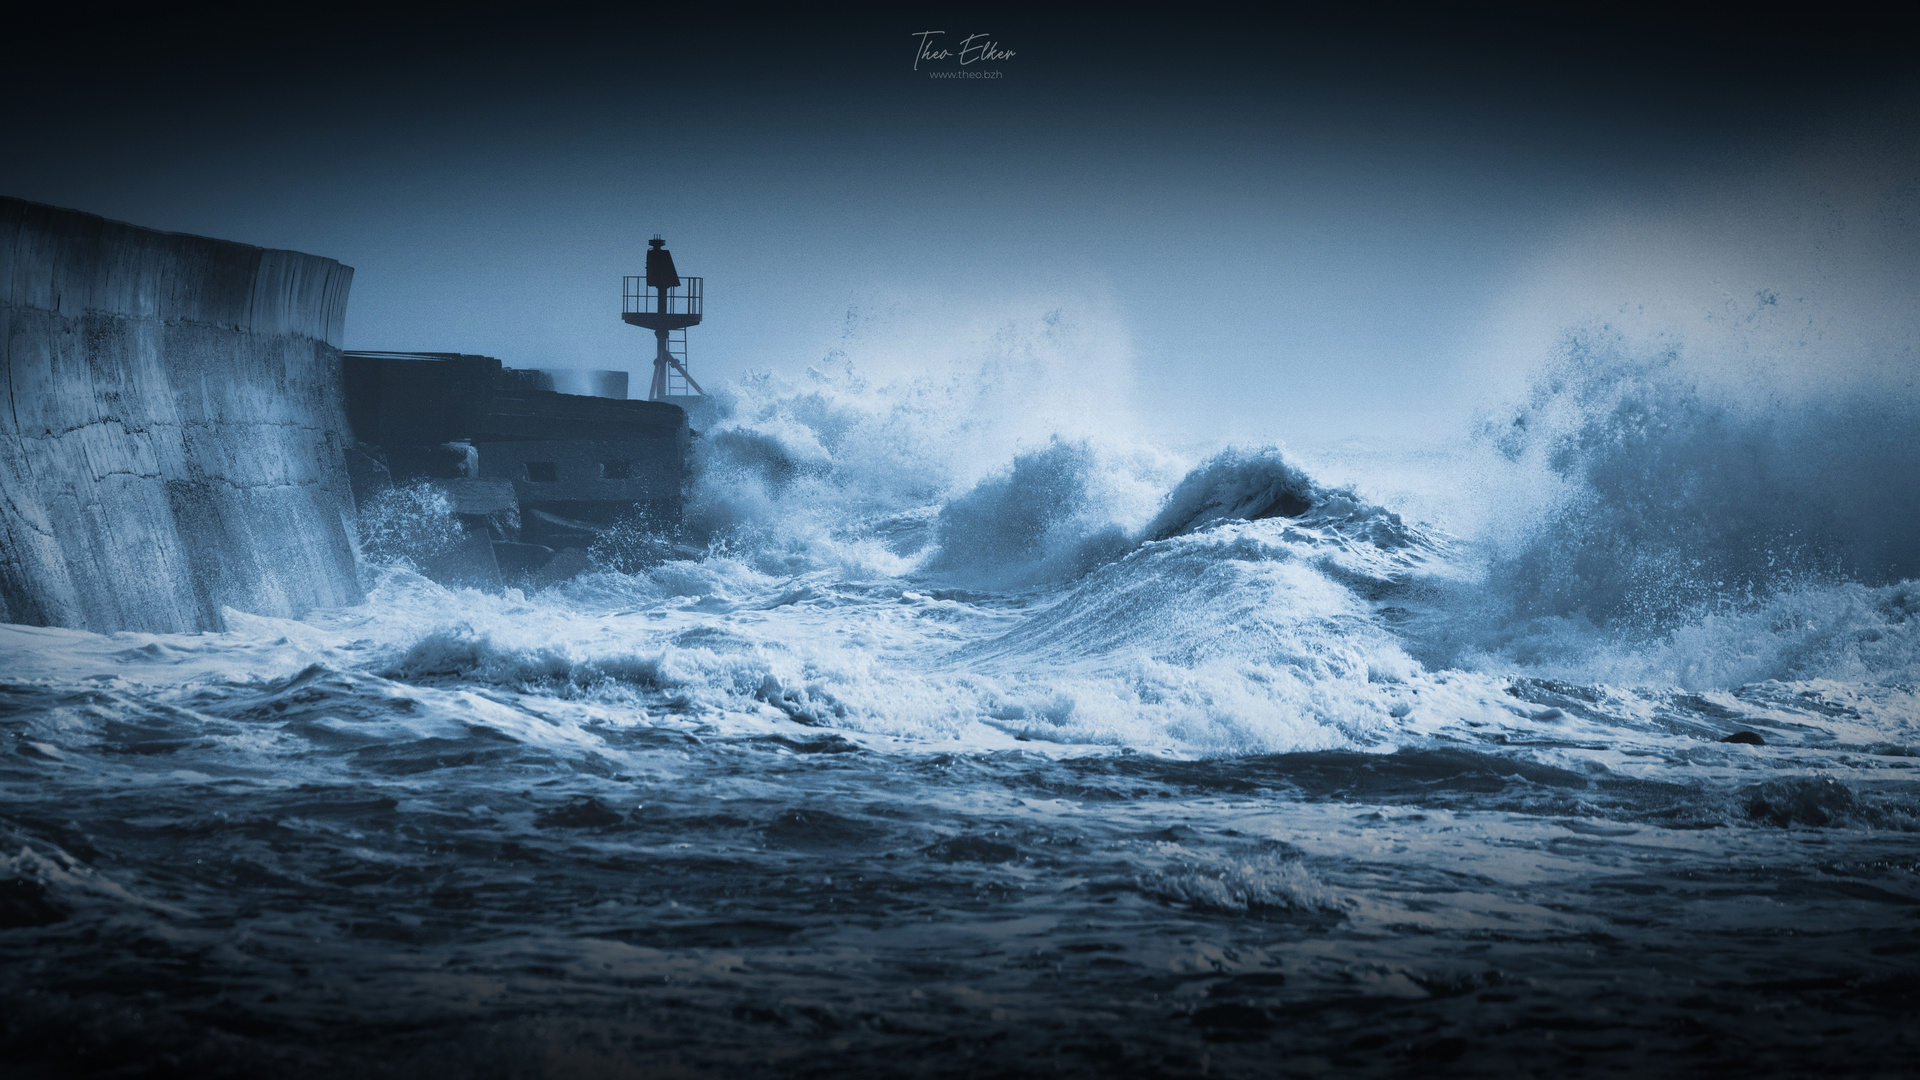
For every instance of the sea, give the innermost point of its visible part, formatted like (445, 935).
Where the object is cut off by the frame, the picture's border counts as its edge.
(929, 746)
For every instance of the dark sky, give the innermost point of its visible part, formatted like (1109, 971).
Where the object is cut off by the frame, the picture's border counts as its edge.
(1294, 230)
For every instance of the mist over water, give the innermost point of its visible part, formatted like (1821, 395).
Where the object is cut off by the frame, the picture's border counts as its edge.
(1630, 500)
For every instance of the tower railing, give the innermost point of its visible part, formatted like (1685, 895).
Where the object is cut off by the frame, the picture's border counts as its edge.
(637, 299)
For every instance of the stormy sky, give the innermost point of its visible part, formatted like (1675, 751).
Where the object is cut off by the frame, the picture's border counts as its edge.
(1298, 230)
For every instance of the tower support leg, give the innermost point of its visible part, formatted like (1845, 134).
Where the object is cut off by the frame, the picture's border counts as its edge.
(661, 358)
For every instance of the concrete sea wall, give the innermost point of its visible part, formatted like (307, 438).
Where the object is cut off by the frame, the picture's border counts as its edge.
(172, 433)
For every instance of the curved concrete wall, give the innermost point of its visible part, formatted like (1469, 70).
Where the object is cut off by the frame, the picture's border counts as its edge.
(172, 430)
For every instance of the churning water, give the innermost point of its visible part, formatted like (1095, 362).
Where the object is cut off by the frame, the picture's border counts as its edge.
(1085, 761)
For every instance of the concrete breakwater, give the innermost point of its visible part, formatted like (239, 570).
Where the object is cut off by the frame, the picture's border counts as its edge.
(535, 477)
(173, 432)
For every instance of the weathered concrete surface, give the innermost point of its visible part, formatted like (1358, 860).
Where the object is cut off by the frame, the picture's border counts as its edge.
(591, 459)
(172, 427)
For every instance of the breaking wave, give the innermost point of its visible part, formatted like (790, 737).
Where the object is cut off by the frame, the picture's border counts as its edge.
(1685, 497)
(868, 558)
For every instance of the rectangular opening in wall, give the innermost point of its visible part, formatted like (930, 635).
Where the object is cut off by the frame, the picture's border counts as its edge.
(543, 472)
(617, 470)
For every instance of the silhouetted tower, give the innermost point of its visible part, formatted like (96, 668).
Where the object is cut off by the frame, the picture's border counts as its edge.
(665, 304)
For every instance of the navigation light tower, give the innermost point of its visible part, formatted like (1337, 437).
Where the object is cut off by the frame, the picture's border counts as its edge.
(666, 304)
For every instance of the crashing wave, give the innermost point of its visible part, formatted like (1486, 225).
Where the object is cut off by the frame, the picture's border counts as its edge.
(1235, 485)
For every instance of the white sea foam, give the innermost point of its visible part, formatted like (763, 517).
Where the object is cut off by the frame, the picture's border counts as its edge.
(879, 561)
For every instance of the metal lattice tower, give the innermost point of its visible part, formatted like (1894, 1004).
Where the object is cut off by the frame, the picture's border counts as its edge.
(665, 304)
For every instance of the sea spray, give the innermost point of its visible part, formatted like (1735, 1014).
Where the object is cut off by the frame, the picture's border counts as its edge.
(410, 525)
(1686, 498)
(1049, 517)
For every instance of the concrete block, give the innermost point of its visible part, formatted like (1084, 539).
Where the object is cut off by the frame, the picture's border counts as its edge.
(177, 438)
